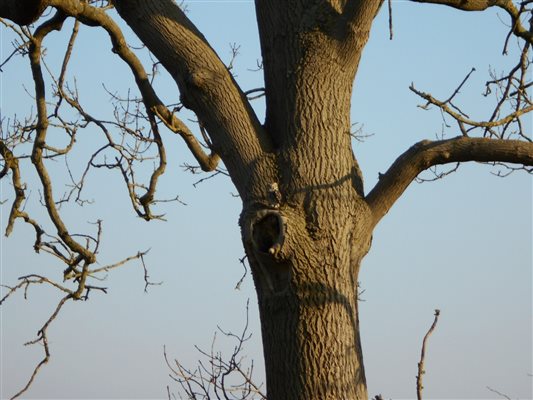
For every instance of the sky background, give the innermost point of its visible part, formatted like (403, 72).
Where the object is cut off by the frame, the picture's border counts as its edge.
(462, 244)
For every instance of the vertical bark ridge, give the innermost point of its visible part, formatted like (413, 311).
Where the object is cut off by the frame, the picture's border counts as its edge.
(311, 51)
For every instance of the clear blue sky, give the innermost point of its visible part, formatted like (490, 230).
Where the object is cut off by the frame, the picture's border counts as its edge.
(462, 244)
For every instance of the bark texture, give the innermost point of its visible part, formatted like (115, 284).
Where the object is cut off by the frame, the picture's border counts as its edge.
(428, 153)
(306, 279)
(305, 224)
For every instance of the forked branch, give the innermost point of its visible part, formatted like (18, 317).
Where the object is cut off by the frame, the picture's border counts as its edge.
(463, 120)
(80, 292)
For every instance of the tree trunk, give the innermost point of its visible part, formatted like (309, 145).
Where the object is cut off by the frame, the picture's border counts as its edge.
(306, 282)
(305, 224)
(305, 247)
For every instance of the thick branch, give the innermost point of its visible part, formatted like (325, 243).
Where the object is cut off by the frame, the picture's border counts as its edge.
(22, 12)
(426, 154)
(206, 87)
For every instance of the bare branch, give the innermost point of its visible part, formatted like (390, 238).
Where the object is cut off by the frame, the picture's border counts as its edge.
(460, 117)
(42, 338)
(390, 19)
(219, 377)
(250, 94)
(512, 102)
(471, 5)
(421, 371)
(480, 5)
(97, 17)
(80, 279)
(503, 395)
(207, 162)
(77, 251)
(426, 153)
(66, 60)
(241, 280)
(40, 140)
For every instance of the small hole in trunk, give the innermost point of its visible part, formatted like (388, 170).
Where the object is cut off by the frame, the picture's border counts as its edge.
(266, 232)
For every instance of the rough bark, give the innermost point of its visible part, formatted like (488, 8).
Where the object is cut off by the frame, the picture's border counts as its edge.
(310, 57)
(306, 280)
(304, 223)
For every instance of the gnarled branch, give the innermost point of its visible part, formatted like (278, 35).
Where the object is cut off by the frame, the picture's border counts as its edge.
(465, 120)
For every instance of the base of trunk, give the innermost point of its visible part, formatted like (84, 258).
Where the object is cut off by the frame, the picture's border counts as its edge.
(306, 280)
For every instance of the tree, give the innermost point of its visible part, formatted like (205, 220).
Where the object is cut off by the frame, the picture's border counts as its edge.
(306, 220)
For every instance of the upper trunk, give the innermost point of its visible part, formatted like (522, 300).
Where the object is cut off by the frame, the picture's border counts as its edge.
(310, 56)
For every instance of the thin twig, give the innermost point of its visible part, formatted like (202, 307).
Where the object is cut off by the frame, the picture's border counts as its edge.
(421, 371)
(239, 283)
(498, 393)
(43, 338)
(390, 20)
